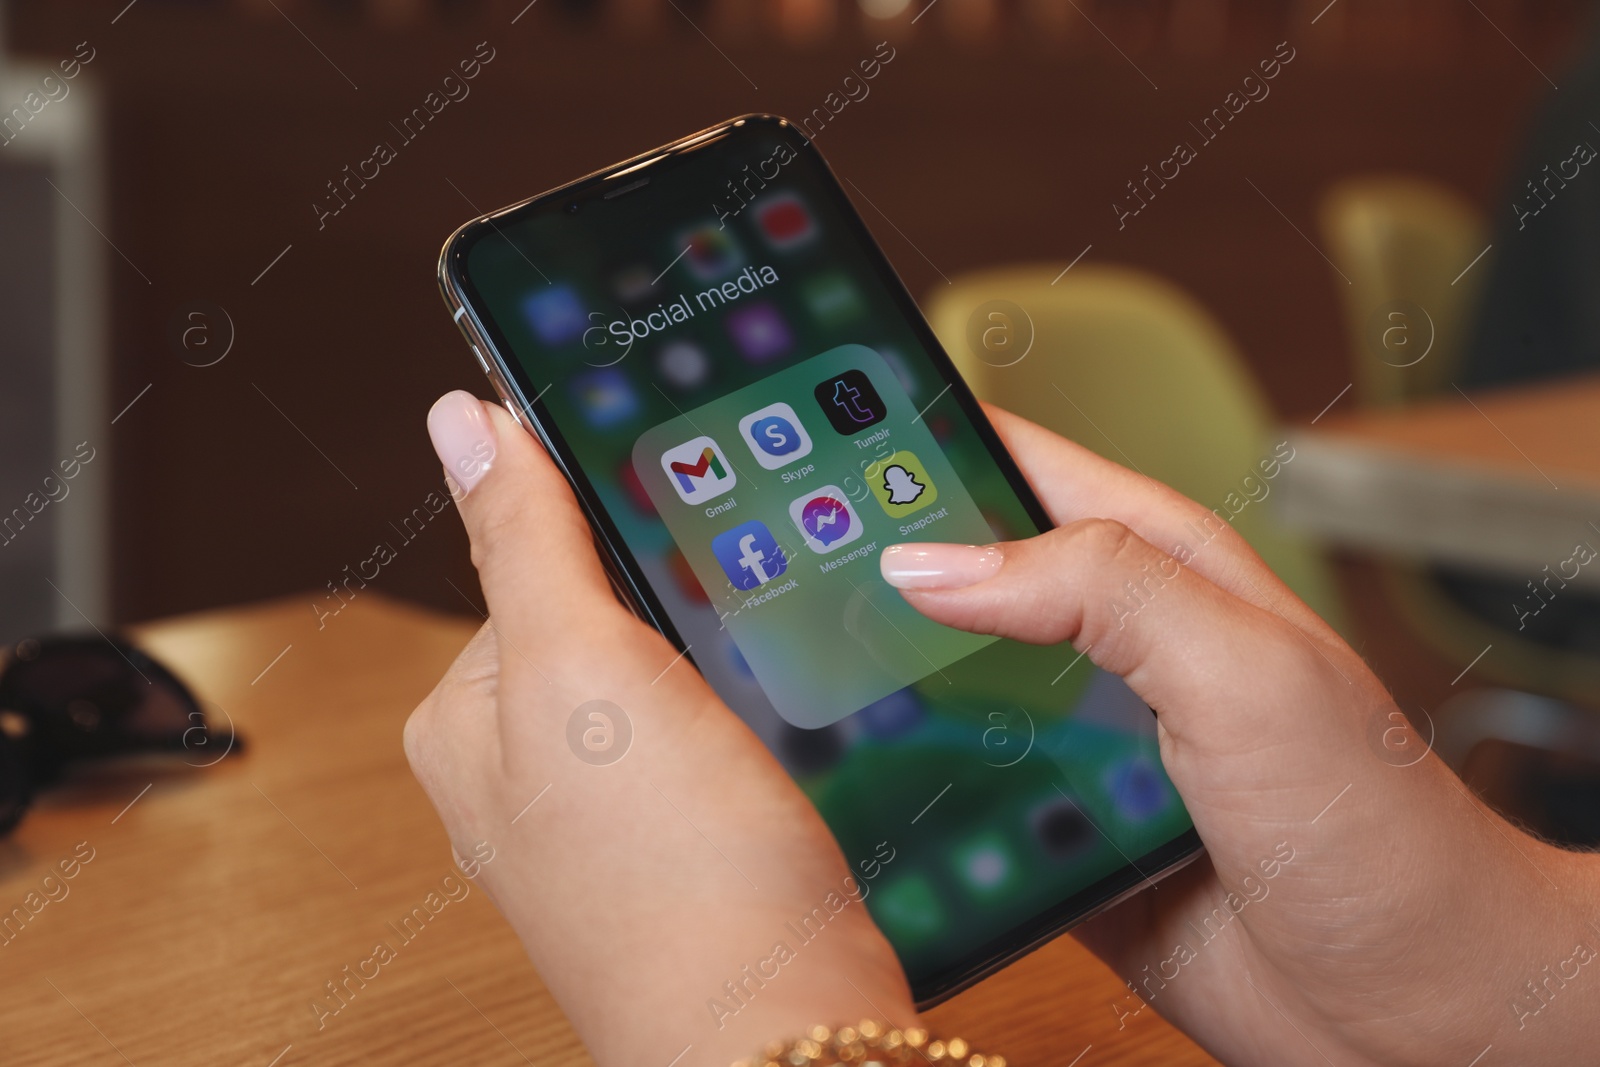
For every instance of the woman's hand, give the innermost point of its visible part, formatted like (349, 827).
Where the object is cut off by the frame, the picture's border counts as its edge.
(1411, 925)
(643, 887)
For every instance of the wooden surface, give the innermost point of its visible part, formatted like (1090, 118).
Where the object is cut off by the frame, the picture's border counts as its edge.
(1506, 480)
(218, 904)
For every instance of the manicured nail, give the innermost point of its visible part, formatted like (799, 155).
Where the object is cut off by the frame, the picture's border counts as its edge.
(932, 566)
(463, 437)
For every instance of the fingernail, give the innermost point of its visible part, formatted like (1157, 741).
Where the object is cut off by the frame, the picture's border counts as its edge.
(924, 566)
(462, 436)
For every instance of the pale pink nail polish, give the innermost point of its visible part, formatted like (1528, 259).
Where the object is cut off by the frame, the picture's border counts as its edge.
(934, 566)
(463, 437)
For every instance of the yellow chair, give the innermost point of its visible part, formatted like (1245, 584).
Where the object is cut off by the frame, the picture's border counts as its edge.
(1403, 243)
(1131, 367)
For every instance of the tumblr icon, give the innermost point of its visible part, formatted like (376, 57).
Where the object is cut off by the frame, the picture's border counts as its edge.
(850, 402)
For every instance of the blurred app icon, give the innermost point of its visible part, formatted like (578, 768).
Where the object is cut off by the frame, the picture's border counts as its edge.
(986, 865)
(784, 221)
(759, 332)
(775, 436)
(634, 489)
(732, 656)
(749, 555)
(606, 397)
(894, 716)
(825, 519)
(907, 908)
(698, 470)
(709, 252)
(833, 299)
(683, 364)
(554, 314)
(683, 576)
(901, 484)
(1138, 789)
(805, 752)
(1061, 828)
(850, 402)
(633, 284)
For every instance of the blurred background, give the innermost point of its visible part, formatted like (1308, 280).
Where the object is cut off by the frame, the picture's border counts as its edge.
(238, 375)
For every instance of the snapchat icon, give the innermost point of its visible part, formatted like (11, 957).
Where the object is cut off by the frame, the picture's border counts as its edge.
(902, 485)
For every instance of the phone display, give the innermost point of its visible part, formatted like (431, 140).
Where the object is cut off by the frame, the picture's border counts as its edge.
(751, 409)
(790, 554)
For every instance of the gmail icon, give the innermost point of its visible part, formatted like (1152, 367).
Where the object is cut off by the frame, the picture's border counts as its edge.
(698, 470)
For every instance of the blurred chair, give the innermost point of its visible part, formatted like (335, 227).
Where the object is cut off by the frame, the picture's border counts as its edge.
(1403, 243)
(1127, 365)
(1439, 618)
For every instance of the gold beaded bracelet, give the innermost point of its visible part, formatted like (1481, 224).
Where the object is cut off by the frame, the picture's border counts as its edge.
(870, 1043)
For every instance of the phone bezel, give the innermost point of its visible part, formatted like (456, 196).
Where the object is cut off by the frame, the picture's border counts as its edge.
(522, 397)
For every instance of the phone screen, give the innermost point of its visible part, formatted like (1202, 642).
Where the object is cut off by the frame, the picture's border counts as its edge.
(746, 396)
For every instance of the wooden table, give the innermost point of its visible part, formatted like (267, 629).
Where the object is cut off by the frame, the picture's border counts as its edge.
(1508, 480)
(220, 900)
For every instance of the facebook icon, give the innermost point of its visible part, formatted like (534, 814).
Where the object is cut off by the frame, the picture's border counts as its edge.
(749, 555)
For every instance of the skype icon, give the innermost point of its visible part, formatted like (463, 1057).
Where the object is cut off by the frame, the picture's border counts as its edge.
(775, 435)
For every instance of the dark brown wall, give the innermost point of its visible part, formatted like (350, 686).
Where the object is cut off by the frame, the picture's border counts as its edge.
(223, 131)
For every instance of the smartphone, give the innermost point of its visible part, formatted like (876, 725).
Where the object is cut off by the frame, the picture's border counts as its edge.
(749, 407)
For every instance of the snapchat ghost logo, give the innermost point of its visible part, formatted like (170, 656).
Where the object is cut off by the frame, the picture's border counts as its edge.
(902, 485)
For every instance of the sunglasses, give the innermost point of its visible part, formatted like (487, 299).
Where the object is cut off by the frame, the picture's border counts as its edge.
(66, 701)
